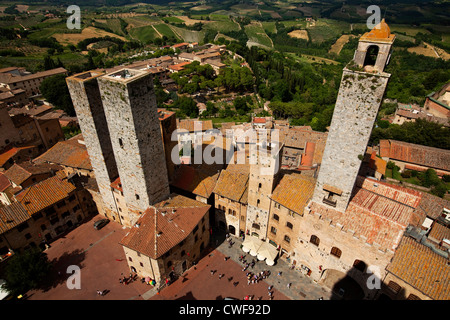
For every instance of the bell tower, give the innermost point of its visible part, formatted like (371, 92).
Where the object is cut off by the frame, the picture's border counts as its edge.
(360, 95)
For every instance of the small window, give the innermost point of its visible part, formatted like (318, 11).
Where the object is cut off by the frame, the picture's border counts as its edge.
(255, 226)
(273, 230)
(129, 259)
(120, 142)
(141, 264)
(276, 217)
(314, 240)
(137, 197)
(359, 265)
(394, 286)
(336, 252)
(287, 239)
(289, 225)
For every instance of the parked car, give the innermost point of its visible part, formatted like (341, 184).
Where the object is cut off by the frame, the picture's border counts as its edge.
(100, 223)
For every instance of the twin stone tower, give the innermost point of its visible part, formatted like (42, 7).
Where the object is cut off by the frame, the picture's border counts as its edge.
(117, 113)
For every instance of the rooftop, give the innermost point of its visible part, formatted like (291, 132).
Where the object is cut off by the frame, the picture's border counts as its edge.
(233, 184)
(11, 216)
(294, 192)
(416, 154)
(165, 225)
(422, 268)
(68, 153)
(44, 194)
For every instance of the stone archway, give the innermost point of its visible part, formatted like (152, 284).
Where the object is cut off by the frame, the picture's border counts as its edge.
(343, 286)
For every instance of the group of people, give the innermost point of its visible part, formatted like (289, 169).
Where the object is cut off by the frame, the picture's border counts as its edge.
(126, 280)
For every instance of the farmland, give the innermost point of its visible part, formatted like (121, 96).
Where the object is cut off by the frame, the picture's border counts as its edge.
(317, 29)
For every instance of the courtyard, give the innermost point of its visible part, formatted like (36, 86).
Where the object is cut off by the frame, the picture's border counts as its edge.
(102, 264)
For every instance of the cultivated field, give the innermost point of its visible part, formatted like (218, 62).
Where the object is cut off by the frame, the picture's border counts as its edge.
(300, 34)
(340, 43)
(89, 32)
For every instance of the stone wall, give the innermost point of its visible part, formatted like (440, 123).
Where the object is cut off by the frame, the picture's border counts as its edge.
(86, 99)
(131, 113)
(360, 96)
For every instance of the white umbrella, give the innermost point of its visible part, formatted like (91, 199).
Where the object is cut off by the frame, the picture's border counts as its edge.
(251, 244)
(270, 262)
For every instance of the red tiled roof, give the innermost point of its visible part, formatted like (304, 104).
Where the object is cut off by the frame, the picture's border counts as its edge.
(162, 227)
(232, 185)
(416, 154)
(117, 185)
(69, 153)
(194, 180)
(294, 192)
(18, 173)
(5, 156)
(44, 194)
(4, 182)
(259, 120)
(379, 217)
(423, 269)
(12, 215)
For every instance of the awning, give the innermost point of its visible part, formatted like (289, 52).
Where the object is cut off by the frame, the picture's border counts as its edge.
(269, 252)
(251, 244)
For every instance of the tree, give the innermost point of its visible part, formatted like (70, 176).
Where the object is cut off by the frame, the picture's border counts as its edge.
(26, 271)
(55, 90)
(187, 106)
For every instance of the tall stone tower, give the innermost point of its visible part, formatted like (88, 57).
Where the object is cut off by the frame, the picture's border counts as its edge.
(360, 95)
(87, 102)
(131, 113)
(264, 170)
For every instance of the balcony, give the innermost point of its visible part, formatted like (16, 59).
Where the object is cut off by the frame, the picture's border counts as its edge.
(329, 202)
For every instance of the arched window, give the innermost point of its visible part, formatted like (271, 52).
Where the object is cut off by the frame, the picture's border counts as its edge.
(289, 225)
(287, 239)
(255, 226)
(336, 252)
(276, 217)
(371, 55)
(413, 297)
(314, 240)
(359, 265)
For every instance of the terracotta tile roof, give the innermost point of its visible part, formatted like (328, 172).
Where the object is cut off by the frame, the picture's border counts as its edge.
(439, 232)
(18, 173)
(259, 120)
(297, 137)
(232, 185)
(377, 163)
(417, 154)
(191, 125)
(9, 78)
(5, 156)
(378, 218)
(161, 228)
(12, 215)
(432, 206)
(69, 153)
(45, 193)
(116, 184)
(4, 182)
(199, 181)
(422, 268)
(294, 192)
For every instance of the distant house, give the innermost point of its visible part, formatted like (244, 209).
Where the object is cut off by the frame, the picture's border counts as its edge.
(411, 156)
(18, 78)
(438, 103)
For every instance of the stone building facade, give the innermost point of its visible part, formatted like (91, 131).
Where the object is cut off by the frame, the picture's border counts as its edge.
(85, 94)
(132, 117)
(359, 98)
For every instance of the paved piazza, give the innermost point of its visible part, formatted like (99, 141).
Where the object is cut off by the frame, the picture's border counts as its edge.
(102, 263)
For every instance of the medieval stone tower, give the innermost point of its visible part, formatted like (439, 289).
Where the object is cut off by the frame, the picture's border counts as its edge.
(262, 179)
(360, 95)
(119, 120)
(88, 105)
(131, 113)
